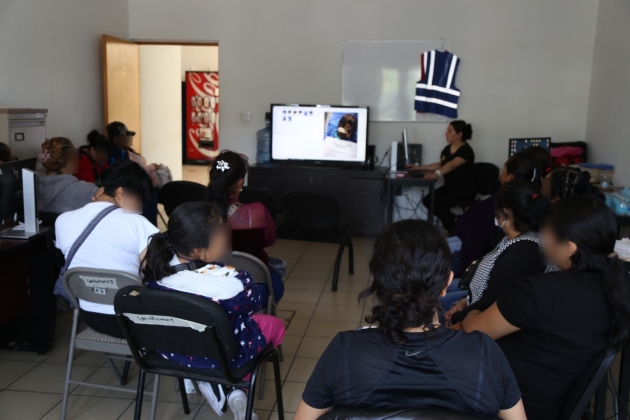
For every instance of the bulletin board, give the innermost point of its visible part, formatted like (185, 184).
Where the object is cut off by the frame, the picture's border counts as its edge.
(383, 76)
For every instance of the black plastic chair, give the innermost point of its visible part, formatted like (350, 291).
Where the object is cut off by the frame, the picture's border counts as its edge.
(315, 217)
(172, 322)
(175, 193)
(486, 177)
(253, 195)
(591, 381)
(354, 413)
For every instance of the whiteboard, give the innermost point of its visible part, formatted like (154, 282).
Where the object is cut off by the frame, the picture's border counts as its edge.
(383, 76)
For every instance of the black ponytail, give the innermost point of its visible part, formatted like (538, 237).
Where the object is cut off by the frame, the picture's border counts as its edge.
(525, 202)
(592, 226)
(566, 182)
(228, 168)
(460, 126)
(190, 226)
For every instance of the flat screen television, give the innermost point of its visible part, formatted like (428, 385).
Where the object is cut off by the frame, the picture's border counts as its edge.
(319, 134)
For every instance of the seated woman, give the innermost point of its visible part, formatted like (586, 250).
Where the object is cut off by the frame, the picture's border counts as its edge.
(475, 228)
(456, 166)
(6, 154)
(195, 238)
(409, 360)
(252, 226)
(116, 243)
(59, 190)
(565, 182)
(93, 157)
(551, 326)
(520, 210)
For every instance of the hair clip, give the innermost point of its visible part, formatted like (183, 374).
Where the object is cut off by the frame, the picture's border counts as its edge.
(222, 166)
(44, 156)
(548, 169)
(533, 176)
(535, 196)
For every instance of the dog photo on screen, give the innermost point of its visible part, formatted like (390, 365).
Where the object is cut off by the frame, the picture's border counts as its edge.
(340, 140)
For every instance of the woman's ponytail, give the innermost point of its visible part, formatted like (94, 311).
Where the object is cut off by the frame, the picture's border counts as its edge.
(218, 194)
(460, 126)
(616, 283)
(156, 263)
(226, 171)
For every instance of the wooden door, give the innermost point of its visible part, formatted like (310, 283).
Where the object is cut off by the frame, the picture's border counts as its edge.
(121, 84)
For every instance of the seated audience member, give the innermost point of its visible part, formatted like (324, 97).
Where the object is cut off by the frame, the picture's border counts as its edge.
(252, 225)
(520, 210)
(409, 360)
(59, 190)
(475, 228)
(93, 157)
(565, 182)
(195, 238)
(116, 243)
(551, 326)
(6, 154)
(121, 140)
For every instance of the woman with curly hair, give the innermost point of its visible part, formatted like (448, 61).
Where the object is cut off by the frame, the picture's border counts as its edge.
(59, 190)
(409, 360)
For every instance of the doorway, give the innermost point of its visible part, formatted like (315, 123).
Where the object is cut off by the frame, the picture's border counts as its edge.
(144, 86)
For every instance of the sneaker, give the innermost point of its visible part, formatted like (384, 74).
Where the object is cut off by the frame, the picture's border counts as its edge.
(215, 395)
(237, 401)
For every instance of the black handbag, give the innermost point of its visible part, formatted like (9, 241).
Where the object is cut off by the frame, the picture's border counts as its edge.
(464, 282)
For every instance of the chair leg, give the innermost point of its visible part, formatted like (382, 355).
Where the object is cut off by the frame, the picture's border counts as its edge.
(125, 374)
(250, 395)
(140, 395)
(182, 392)
(337, 266)
(156, 390)
(66, 387)
(263, 371)
(280, 353)
(278, 381)
(350, 257)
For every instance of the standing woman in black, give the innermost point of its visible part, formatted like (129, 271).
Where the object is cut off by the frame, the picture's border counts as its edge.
(456, 166)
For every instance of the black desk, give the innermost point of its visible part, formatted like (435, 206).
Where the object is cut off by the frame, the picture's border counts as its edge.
(29, 309)
(394, 181)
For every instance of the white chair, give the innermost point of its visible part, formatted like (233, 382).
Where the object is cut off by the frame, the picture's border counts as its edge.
(98, 286)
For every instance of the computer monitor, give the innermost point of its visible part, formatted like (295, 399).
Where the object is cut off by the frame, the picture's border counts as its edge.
(517, 145)
(319, 134)
(29, 198)
(11, 179)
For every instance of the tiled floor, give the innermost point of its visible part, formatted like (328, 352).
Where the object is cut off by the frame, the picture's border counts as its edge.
(31, 385)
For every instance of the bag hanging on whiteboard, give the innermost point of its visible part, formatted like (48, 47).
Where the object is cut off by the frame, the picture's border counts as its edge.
(436, 92)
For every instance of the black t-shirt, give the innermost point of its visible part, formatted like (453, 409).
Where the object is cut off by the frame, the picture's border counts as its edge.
(453, 369)
(565, 320)
(521, 259)
(463, 177)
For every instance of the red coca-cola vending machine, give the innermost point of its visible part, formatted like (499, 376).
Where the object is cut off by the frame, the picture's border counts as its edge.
(201, 118)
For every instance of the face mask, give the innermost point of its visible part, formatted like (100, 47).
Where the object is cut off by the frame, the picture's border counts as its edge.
(496, 223)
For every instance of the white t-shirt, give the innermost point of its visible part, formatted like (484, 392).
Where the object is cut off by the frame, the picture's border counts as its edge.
(115, 243)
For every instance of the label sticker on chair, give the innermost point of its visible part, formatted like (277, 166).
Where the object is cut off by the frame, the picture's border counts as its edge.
(165, 320)
(102, 282)
(100, 291)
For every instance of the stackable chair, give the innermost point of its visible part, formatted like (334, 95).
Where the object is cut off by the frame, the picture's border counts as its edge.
(315, 217)
(98, 286)
(261, 275)
(175, 193)
(159, 321)
(352, 413)
(254, 195)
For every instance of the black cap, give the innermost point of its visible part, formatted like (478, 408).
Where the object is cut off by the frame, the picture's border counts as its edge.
(117, 128)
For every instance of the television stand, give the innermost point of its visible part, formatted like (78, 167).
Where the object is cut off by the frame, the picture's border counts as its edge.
(359, 191)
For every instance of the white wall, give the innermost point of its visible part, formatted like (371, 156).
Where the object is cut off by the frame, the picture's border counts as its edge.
(608, 128)
(526, 64)
(50, 57)
(161, 104)
(202, 58)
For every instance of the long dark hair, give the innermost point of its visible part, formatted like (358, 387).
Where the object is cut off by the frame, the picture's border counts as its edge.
(190, 226)
(592, 226)
(566, 182)
(223, 179)
(525, 201)
(98, 141)
(460, 126)
(528, 167)
(410, 266)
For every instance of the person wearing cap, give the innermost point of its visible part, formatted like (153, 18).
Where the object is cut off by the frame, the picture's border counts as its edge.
(121, 139)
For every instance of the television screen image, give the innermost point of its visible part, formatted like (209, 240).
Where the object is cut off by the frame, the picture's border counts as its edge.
(518, 145)
(319, 133)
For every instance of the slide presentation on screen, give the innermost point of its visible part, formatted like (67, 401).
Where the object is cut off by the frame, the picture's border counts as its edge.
(319, 133)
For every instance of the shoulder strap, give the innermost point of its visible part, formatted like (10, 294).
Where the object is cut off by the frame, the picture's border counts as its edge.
(232, 209)
(86, 232)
